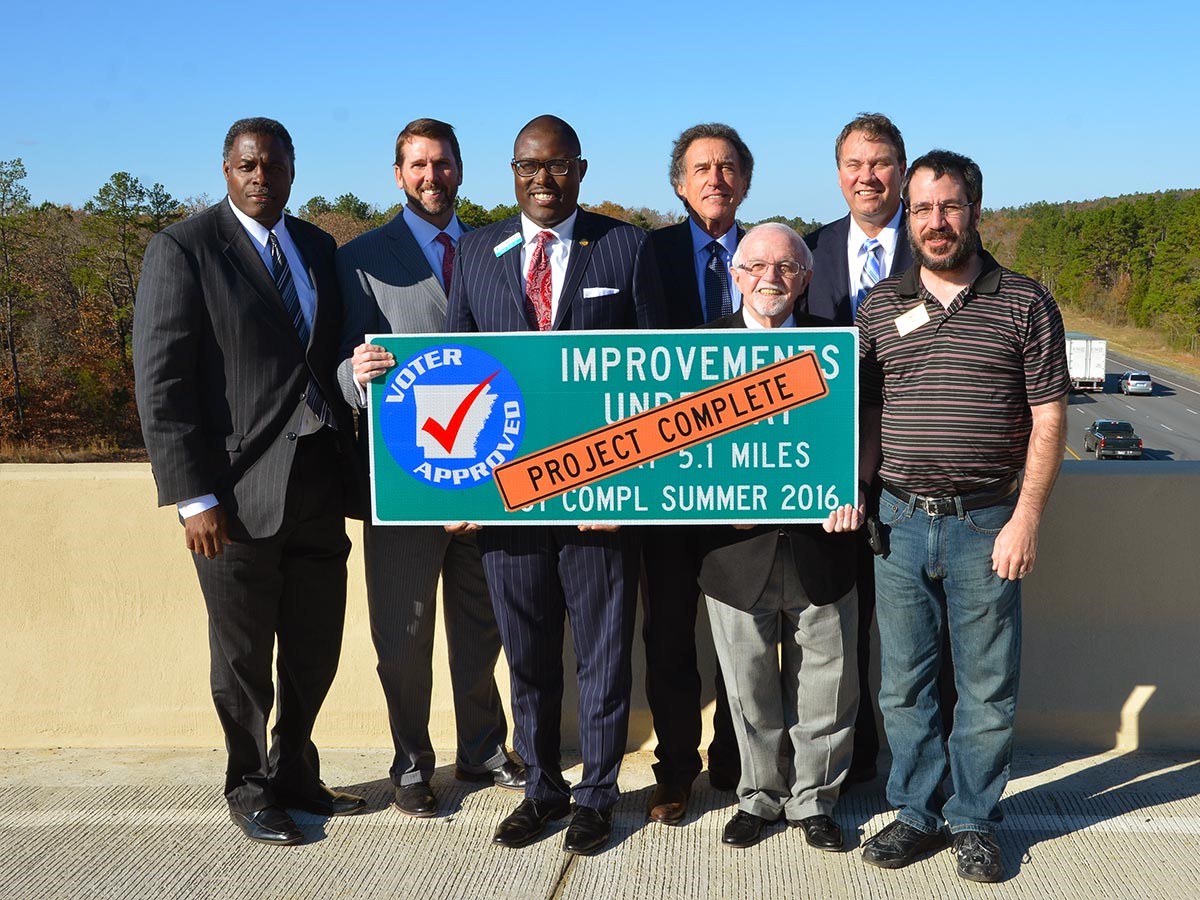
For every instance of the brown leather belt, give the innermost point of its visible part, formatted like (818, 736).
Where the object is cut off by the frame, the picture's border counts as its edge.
(949, 506)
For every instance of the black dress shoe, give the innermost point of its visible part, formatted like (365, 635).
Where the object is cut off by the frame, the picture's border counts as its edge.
(668, 804)
(978, 857)
(269, 825)
(589, 830)
(743, 830)
(509, 775)
(820, 832)
(527, 821)
(323, 802)
(724, 779)
(416, 800)
(899, 844)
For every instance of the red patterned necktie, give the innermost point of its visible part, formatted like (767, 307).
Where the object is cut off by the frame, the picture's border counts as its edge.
(447, 259)
(539, 286)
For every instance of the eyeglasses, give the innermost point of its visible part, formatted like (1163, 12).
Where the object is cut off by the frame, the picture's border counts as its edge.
(923, 211)
(527, 168)
(788, 268)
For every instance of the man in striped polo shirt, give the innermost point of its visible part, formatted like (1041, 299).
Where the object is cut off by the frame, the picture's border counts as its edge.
(964, 364)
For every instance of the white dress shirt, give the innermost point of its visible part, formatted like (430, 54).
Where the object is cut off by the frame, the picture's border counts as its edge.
(856, 258)
(559, 251)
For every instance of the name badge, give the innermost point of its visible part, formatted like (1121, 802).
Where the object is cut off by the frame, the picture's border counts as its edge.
(912, 320)
(504, 246)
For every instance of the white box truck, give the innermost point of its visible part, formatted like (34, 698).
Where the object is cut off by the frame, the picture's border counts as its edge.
(1085, 361)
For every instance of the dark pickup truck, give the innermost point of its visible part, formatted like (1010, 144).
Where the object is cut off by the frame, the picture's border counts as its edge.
(1112, 439)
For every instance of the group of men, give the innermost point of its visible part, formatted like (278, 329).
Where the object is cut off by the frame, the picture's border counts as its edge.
(251, 365)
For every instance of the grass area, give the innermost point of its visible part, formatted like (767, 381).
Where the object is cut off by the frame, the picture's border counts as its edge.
(31, 453)
(1140, 342)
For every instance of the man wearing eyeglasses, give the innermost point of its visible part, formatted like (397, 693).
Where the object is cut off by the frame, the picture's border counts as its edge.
(710, 170)
(556, 266)
(849, 256)
(964, 366)
(784, 594)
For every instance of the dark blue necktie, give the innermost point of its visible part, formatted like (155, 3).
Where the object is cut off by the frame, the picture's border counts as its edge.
(282, 273)
(717, 301)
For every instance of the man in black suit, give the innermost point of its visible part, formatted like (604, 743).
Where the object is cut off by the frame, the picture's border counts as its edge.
(849, 256)
(781, 603)
(711, 168)
(235, 340)
(556, 266)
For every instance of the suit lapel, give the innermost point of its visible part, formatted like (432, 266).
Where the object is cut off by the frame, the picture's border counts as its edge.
(903, 259)
(239, 250)
(309, 252)
(582, 244)
(510, 265)
(409, 254)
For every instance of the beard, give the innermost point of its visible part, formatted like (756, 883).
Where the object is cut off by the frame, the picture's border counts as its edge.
(436, 207)
(955, 257)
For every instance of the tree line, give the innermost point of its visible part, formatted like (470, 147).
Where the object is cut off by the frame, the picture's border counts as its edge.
(69, 277)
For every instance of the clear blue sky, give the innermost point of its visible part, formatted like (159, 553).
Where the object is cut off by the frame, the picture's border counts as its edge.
(1055, 101)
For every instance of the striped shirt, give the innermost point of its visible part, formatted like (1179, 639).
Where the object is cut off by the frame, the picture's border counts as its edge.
(956, 390)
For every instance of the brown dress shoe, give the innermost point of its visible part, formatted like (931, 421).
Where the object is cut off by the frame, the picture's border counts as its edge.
(668, 804)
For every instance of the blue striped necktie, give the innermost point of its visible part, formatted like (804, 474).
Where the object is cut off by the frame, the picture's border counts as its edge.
(282, 273)
(871, 273)
(717, 301)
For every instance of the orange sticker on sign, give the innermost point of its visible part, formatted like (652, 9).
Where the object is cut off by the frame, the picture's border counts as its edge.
(666, 429)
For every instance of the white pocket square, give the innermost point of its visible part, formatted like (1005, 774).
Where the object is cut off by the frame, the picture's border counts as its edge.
(588, 293)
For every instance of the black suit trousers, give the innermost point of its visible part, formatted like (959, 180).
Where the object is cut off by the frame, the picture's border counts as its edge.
(290, 587)
(672, 556)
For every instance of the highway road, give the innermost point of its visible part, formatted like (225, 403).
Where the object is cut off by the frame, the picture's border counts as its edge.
(1167, 421)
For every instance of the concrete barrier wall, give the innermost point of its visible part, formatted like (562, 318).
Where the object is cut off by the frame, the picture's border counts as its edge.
(105, 638)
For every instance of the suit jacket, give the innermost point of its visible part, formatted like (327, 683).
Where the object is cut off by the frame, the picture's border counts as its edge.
(672, 247)
(737, 563)
(487, 292)
(220, 370)
(387, 287)
(828, 295)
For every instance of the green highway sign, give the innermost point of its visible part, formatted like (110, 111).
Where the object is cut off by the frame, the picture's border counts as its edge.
(645, 427)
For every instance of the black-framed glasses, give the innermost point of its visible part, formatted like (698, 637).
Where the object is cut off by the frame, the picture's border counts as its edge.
(788, 268)
(527, 168)
(923, 211)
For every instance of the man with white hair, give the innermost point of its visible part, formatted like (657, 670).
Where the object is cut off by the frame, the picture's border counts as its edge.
(789, 587)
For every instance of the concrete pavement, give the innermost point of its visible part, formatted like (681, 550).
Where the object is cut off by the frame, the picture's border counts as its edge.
(132, 824)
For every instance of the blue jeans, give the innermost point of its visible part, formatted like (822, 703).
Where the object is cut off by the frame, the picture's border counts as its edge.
(936, 574)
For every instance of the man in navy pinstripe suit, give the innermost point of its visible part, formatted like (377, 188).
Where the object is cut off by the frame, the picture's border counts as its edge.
(235, 341)
(558, 267)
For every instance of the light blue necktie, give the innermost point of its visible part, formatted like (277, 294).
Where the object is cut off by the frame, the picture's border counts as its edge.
(871, 273)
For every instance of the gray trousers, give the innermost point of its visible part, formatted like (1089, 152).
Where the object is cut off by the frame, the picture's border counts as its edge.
(403, 566)
(790, 670)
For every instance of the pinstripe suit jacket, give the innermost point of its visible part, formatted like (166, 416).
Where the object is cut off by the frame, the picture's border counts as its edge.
(387, 288)
(487, 292)
(220, 370)
(828, 295)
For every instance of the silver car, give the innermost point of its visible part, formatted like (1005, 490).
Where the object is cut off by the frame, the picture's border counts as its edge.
(1136, 383)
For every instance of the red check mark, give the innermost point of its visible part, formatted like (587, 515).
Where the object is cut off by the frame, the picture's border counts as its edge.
(449, 434)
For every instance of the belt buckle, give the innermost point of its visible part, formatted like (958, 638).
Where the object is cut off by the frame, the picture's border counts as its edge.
(937, 506)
